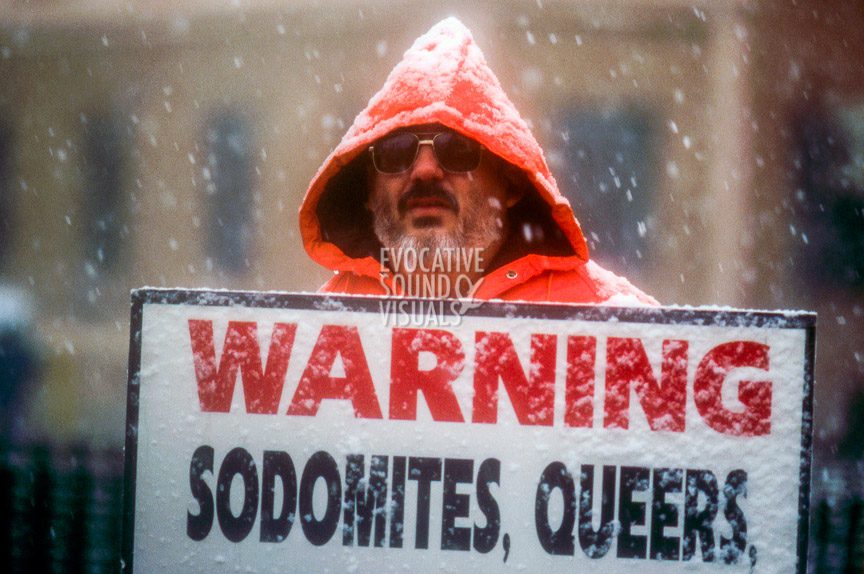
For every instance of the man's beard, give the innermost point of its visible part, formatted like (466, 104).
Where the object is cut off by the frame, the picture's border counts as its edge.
(476, 227)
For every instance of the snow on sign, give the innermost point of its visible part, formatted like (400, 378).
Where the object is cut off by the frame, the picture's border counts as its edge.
(303, 433)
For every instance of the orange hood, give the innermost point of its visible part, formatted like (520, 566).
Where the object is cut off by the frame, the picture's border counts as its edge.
(442, 79)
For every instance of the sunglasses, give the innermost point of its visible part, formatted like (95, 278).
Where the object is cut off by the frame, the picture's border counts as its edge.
(397, 153)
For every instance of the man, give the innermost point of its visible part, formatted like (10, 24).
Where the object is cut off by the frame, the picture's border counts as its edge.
(439, 189)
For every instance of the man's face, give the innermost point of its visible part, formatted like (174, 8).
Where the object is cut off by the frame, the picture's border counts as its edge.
(427, 206)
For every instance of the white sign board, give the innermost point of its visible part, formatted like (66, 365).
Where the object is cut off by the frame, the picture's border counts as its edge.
(306, 433)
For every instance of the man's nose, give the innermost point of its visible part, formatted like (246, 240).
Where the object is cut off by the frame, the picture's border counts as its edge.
(426, 165)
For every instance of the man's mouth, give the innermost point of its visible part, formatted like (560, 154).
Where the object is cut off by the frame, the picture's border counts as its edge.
(428, 204)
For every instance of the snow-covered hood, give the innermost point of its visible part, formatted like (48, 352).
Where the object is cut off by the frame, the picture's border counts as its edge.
(442, 79)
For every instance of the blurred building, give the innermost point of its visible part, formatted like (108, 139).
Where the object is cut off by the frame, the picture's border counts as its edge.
(714, 151)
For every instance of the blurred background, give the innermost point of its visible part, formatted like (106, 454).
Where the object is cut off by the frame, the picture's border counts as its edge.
(713, 150)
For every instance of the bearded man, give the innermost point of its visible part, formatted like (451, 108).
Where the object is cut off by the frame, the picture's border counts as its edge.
(439, 189)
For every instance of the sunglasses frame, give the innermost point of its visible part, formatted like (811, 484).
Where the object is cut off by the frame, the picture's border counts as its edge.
(427, 138)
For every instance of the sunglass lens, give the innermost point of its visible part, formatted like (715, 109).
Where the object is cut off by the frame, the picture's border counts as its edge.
(456, 152)
(396, 153)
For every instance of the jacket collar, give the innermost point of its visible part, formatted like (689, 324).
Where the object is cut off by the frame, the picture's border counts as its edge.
(491, 285)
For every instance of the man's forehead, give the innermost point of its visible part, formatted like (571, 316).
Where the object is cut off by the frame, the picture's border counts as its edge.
(432, 128)
(423, 129)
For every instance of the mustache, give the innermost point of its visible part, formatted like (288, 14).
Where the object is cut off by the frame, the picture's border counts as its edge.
(427, 190)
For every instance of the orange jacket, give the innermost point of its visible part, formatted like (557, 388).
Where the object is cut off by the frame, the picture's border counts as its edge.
(444, 79)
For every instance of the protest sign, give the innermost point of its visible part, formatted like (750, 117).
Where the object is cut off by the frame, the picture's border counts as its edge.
(276, 432)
